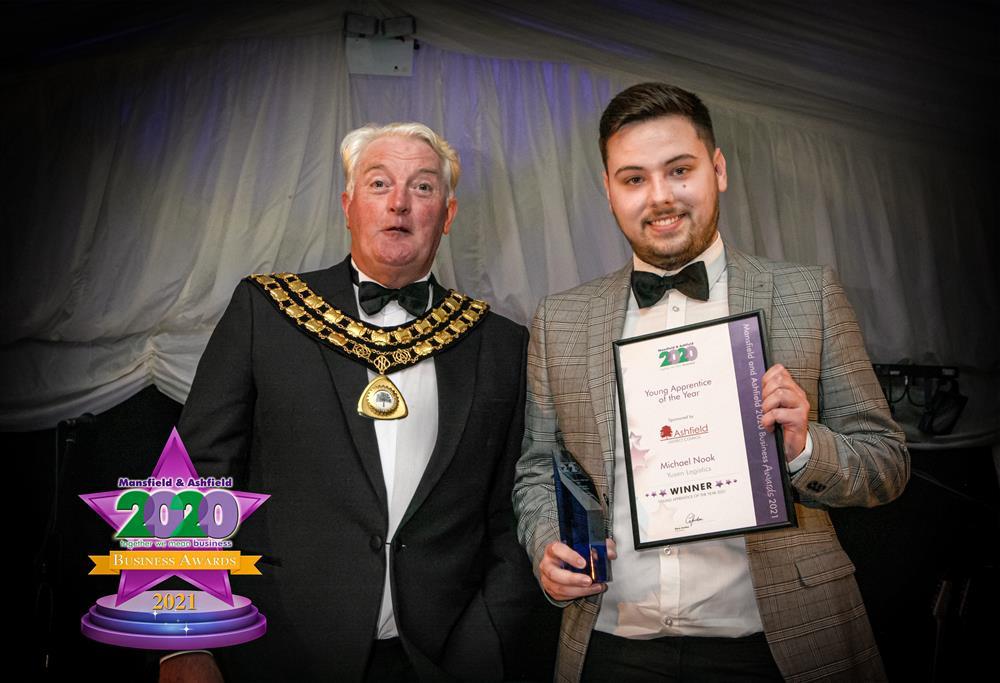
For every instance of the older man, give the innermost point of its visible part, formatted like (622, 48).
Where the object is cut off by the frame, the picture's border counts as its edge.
(764, 606)
(384, 415)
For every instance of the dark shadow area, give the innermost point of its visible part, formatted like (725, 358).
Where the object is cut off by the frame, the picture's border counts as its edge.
(124, 441)
(927, 565)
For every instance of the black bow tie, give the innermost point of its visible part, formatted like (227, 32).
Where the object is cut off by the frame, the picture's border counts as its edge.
(650, 287)
(413, 297)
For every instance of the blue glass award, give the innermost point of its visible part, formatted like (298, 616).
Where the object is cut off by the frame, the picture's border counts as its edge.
(581, 518)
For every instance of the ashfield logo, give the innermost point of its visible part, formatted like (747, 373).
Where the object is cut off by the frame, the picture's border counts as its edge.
(667, 432)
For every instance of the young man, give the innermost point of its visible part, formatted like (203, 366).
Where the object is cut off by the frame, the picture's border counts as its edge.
(764, 606)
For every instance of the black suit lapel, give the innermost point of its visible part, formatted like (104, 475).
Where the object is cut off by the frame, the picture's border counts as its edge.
(456, 371)
(350, 378)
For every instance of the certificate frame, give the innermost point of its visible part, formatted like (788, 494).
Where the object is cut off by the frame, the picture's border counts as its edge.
(699, 464)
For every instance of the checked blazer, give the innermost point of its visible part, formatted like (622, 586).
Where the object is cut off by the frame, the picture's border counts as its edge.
(813, 615)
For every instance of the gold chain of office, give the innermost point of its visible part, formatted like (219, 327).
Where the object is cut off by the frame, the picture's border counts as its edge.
(384, 350)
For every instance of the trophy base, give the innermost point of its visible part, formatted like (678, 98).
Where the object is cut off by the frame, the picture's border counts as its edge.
(204, 622)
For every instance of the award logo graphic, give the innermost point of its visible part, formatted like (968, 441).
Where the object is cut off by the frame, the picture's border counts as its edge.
(174, 523)
(681, 353)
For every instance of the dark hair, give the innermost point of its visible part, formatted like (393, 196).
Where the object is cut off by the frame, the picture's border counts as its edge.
(652, 100)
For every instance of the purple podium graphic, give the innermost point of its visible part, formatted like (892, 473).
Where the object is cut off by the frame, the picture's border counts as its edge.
(174, 523)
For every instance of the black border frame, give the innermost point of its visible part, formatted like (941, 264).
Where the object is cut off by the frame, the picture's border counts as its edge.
(786, 487)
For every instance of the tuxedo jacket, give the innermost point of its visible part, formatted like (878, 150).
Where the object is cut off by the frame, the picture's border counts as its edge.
(278, 411)
(812, 612)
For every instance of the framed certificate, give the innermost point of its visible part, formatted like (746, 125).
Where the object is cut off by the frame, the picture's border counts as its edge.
(699, 464)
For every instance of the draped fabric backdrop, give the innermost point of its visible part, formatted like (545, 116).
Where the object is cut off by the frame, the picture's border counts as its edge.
(141, 185)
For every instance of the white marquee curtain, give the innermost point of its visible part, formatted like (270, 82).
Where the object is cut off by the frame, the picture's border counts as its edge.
(143, 186)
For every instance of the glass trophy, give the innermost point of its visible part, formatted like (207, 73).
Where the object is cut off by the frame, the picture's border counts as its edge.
(581, 518)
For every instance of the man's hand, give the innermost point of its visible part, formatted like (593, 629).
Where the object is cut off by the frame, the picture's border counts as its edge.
(785, 403)
(562, 584)
(190, 667)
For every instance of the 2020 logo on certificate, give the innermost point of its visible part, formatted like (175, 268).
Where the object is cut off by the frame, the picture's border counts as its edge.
(699, 463)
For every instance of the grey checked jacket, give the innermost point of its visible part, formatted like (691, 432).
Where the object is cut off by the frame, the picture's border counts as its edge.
(813, 616)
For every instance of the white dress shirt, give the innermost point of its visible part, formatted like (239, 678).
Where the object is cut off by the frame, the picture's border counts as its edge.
(404, 446)
(701, 588)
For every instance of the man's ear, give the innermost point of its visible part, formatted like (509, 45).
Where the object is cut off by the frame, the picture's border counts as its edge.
(345, 204)
(607, 189)
(452, 210)
(719, 161)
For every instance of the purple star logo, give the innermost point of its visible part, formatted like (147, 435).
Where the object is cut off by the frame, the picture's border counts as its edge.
(174, 464)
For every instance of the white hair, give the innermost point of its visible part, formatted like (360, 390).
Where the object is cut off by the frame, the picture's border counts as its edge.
(357, 140)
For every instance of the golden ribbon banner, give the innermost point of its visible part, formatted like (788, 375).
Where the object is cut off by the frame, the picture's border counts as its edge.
(176, 560)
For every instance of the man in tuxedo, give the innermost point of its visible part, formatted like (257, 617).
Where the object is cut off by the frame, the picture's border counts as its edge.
(384, 415)
(760, 606)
